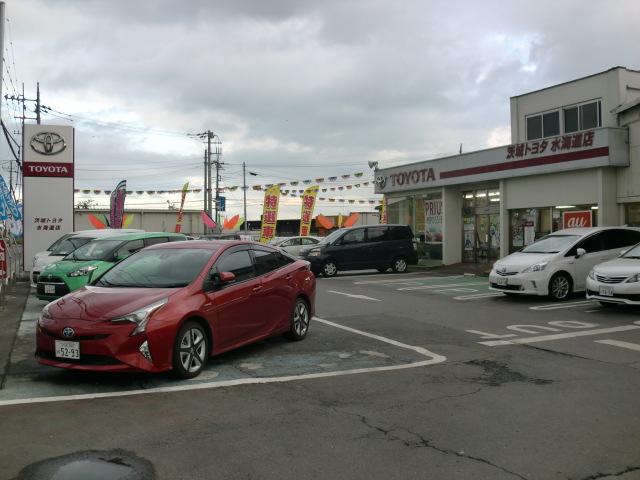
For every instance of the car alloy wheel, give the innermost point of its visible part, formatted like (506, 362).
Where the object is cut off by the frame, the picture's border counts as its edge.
(191, 350)
(560, 286)
(300, 319)
(399, 265)
(330, 269)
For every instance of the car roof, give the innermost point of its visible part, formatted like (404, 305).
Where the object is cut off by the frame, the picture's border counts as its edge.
(105, 232)
(376, 225)
(589, 230)
(140, 236)
(205, 244)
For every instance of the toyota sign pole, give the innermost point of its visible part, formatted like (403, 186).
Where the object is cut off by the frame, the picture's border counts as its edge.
(48, 186)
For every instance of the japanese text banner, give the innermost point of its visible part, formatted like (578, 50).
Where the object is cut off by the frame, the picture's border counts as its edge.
(270, 213)
(308, 202)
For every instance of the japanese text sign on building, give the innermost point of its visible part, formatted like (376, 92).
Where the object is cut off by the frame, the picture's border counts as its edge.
(308, 202)
(551, 145)
(270, 213)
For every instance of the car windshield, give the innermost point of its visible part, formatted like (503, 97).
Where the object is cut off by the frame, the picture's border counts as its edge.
(158, 268)
(551, 244)
(633, 252)
(332, 236)
(98, 250)
(70, 244)
(55, 244)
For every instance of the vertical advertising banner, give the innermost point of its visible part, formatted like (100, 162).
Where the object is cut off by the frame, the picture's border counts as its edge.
(577, 219)
(433, 221)
(308, 202)
(48, 153)
(9, 204)
(383, 211)
(118, 196)
(178, 228)
(270, 213)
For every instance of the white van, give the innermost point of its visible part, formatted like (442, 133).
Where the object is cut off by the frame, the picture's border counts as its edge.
(558, 263)
(67, 244)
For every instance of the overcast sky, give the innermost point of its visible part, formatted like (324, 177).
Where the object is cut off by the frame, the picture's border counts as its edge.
(296, 89)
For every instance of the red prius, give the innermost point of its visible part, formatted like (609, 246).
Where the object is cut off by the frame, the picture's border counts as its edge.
(171, 306)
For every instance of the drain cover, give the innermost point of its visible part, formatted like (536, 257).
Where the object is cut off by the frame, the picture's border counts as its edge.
(91, 465)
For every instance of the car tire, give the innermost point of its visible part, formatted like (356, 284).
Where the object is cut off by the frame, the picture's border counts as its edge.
(399, 265)
(560, 286)
(330, 269)
(300, 320)
(190, 350)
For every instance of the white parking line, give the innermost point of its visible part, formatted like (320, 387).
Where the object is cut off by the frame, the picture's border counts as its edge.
(389, 280)
(361, 297)
(432, 359)
(444, 285)
(617, 343)
(373, 274)
(556, 306)
(477, 296)
(560, 336)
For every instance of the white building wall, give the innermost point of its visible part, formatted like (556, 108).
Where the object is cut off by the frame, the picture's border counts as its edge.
(629, 178)
(452, 225)
(609, 86)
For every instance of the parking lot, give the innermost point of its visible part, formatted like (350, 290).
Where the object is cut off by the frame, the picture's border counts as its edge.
(421, 375)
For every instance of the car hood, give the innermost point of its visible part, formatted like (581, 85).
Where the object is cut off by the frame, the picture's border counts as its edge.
(518, 261)
(99, 303)
(45, 260)
(67, 266)
(619, 267)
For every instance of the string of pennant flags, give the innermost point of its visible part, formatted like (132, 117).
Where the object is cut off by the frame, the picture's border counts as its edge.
(233, 188)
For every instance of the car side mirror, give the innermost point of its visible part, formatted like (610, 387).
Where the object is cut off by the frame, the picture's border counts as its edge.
(226, 277)
(580, 252)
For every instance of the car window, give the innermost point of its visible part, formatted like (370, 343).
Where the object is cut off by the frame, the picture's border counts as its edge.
(284, 259)
(354, 236)
(266, 261)
(619, 238)
(591, 244)
(238, 263)
(129, 248)
(155, 240)
(378, 234)
(401, 233)
(291, 242)
(309, 241)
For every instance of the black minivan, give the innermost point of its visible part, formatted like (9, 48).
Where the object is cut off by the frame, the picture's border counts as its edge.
(359, 248)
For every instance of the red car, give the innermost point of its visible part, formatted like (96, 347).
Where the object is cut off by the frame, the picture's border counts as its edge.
(170, 306)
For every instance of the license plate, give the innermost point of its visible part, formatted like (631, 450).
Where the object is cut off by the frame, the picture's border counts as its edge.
(68, 349)
(606, 291)
(50, 289)
(501, 281)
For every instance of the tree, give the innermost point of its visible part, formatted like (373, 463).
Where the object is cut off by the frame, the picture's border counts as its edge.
(86, 204)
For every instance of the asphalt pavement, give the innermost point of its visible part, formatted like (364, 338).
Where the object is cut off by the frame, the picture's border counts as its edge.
(426, 375)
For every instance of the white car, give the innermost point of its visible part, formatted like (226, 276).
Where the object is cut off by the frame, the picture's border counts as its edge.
(616, 281)
(67, 244)
(293, 245)
(558, 264)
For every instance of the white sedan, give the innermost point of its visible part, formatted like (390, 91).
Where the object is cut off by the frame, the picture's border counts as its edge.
(558, 264)
(293, 245)
(616, 281)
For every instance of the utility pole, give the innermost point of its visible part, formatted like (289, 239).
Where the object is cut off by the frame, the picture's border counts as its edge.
(38, 103)
(206, 186)
(244, 191)
(2, 24)
(209, 136)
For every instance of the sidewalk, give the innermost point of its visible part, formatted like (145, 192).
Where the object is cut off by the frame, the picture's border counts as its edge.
(10, 317)
(478, 269)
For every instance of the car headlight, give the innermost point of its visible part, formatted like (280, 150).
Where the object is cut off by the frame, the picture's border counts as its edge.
(538, 267)
(140, 317)
(45, 312)
(592, 275)
(633, 279)
(82, 271)
(314, 253)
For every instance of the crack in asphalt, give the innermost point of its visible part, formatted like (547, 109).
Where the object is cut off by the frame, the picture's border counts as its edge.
(423, 442)
(599, 475)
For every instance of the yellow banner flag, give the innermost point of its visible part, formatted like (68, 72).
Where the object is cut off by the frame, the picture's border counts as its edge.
(270, 213)
(308, 202)
(383, 211)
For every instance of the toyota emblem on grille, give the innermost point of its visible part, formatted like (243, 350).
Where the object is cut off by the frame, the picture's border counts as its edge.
(68, 332)
(503, 270)
(47, 143)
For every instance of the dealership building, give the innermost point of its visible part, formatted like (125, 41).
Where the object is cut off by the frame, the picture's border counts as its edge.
(574, 160)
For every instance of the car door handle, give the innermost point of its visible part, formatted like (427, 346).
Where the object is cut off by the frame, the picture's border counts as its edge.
(256, 288)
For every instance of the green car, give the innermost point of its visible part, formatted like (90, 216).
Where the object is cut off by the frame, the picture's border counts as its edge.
(93, 259)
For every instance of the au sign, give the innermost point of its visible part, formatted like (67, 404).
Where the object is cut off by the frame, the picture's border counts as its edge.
(577, 219)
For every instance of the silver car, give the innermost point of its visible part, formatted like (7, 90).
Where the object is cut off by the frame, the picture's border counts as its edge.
(293, 245)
